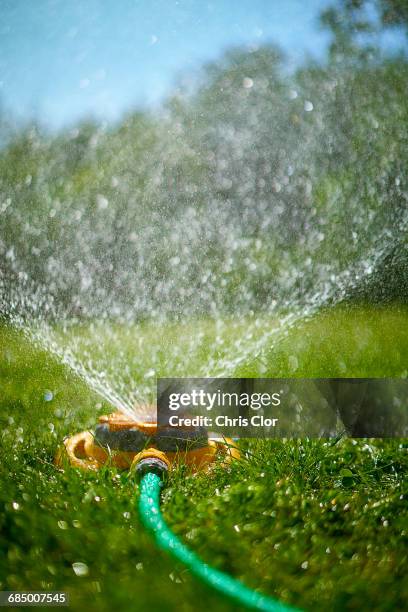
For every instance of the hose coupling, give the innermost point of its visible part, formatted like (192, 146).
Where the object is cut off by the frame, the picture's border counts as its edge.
(150, 460)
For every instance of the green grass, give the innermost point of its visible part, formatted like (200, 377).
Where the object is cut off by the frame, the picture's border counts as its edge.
(319, 524)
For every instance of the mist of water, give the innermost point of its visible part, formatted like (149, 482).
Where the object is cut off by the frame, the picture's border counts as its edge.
(236, 210)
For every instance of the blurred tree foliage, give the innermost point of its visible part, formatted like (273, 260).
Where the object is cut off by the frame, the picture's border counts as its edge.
(351, 20)
(255, 187)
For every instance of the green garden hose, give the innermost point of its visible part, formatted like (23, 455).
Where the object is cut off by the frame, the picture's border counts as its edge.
(149, 508)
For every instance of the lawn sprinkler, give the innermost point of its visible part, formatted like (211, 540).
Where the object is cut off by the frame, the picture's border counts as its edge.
(150, 451)
(143, 445)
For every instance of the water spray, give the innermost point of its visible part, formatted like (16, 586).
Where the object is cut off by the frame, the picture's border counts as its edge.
(150, 452)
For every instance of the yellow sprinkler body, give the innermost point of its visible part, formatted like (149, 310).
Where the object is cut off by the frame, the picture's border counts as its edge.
(121, 442)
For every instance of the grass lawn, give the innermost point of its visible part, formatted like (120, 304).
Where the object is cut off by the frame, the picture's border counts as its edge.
(319, 524)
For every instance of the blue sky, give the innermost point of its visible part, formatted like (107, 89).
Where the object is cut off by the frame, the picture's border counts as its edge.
(63, 59)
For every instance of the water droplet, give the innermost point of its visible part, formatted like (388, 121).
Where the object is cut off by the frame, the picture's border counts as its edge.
(102, 202)
(80, 569)
(247, 83)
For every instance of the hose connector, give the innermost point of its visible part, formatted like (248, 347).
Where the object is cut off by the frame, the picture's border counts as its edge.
(150, 460)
